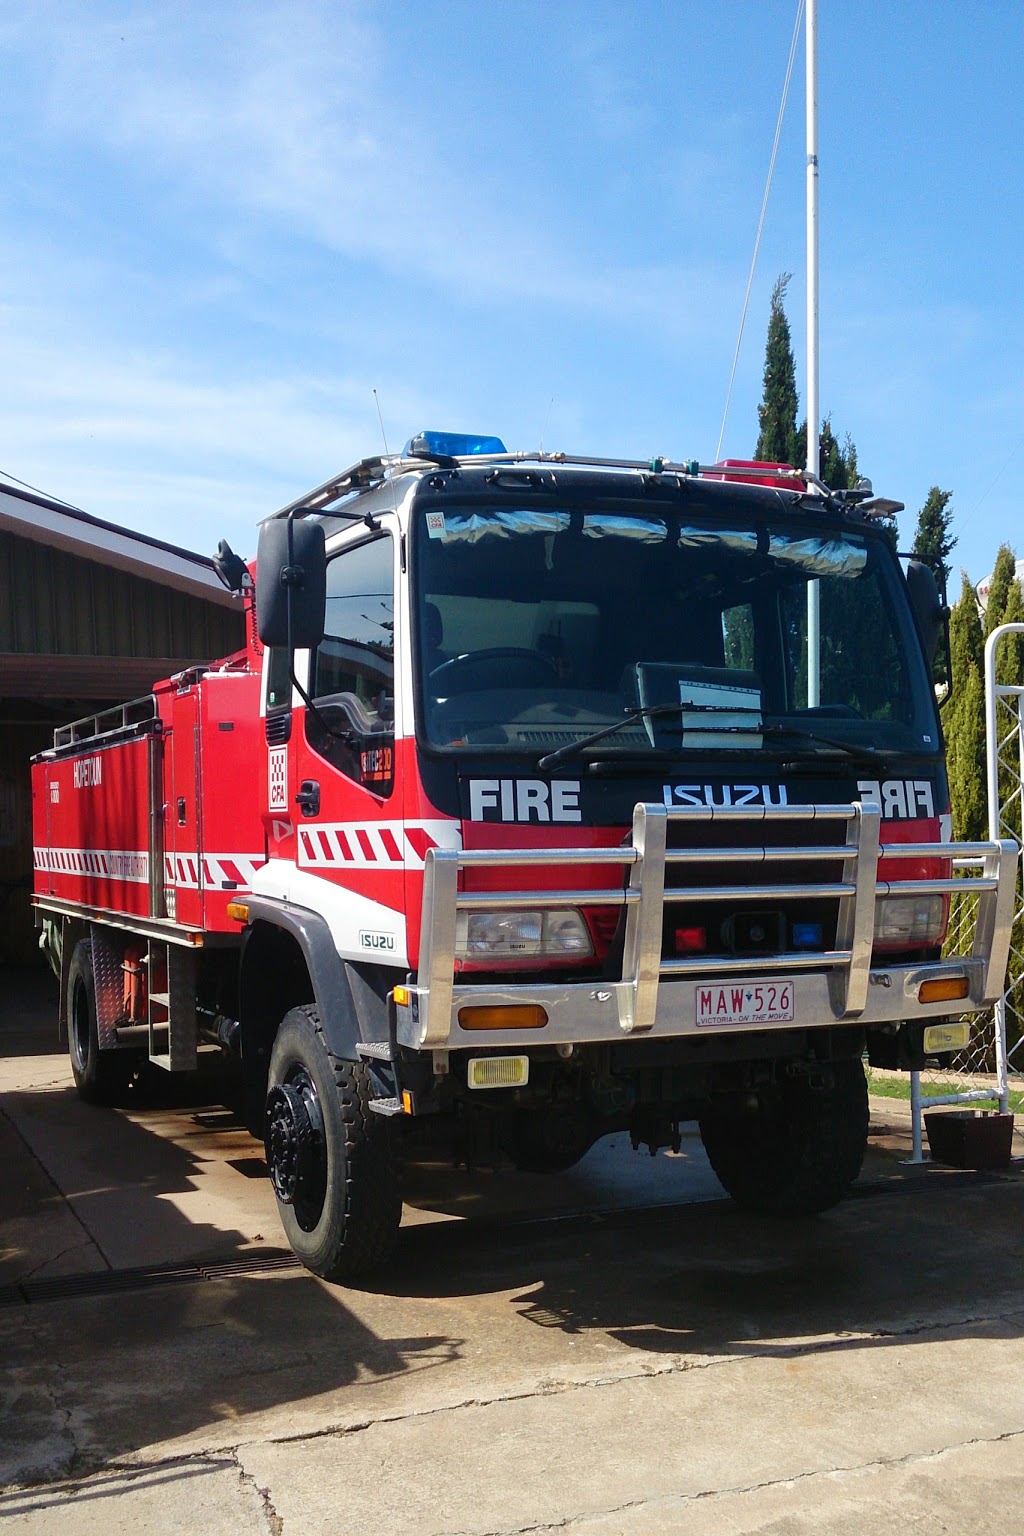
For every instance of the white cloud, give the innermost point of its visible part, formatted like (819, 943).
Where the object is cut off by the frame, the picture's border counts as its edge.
(289, 116)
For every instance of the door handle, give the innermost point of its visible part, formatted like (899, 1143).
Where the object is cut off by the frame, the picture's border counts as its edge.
(308, 797)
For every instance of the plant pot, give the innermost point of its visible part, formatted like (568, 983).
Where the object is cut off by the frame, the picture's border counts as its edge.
(967, 1138)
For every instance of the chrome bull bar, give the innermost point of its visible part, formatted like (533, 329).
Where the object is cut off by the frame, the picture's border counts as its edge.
(638, 1001)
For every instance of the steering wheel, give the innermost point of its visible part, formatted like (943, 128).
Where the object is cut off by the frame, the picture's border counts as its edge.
(499, 666)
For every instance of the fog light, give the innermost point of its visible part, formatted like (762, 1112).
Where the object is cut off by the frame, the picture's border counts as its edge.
(943, 989)
(498, 1071)
(946, 1037)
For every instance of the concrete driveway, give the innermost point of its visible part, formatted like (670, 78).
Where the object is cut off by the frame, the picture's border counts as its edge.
(613, 1350)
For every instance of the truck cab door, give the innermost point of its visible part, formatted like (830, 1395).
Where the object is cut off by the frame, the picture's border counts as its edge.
(332, 802)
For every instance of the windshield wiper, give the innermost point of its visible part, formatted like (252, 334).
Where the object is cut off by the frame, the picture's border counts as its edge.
(863, 753)
(648, 712)
(848, 749)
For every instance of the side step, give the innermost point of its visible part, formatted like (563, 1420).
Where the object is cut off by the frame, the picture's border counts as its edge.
(386, 1106)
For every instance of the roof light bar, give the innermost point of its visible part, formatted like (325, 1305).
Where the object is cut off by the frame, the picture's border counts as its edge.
(452, 445)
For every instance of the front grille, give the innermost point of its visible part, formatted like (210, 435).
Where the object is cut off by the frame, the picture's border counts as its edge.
(750, 927)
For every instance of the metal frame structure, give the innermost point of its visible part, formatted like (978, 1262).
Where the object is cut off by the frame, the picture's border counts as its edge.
(1004, 754)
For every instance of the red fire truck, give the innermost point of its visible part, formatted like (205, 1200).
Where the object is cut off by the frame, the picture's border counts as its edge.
(550, 796)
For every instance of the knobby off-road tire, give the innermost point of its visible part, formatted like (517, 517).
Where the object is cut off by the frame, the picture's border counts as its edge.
(333, 1161)
(799, 1155)
(101, 1077)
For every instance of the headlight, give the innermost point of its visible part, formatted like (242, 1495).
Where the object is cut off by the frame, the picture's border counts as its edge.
(522, 935)
(910, 919)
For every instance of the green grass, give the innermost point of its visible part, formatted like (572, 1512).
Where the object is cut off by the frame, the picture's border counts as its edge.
(899, 1088)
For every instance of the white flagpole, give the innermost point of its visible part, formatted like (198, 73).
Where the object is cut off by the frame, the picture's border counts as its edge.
(813, 455)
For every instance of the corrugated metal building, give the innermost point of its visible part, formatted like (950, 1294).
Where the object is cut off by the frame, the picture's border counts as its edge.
(90, 614)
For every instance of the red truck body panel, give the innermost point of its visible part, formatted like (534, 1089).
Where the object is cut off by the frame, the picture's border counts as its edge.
(97, 829)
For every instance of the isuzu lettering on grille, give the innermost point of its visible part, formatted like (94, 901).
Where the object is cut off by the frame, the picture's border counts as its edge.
(725, 794)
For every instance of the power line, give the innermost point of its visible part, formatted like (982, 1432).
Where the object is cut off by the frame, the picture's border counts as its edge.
(39, 492)
(760, 222)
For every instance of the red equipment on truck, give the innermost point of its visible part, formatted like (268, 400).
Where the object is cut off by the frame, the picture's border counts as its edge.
(551, 796)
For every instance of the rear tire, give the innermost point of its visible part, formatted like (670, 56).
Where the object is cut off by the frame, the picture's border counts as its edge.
(101, 1077)
(332, 1160)
(798, 1155)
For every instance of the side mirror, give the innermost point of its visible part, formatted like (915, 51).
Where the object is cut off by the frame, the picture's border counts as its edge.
(928, 607)
(291, 584)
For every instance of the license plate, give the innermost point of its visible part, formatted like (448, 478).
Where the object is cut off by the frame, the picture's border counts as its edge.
(744, 1002)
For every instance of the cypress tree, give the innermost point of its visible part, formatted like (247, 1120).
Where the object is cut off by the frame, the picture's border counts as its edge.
(964, 720)
(966, 641)
(776, 442)
(1010, 657)
(1004, 574)
(932, 536)
(965, 757)
(1010, 670)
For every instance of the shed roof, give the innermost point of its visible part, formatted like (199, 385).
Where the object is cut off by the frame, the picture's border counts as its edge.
(55, 523)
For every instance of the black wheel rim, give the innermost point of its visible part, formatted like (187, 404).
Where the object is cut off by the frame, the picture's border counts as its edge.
(297, 1146)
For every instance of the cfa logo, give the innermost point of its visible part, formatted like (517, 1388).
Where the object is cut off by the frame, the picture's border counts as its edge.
(524, 800)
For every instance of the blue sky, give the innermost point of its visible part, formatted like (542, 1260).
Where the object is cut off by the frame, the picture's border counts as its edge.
(222, 226)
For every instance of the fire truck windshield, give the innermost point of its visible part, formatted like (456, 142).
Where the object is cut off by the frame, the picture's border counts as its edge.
(537, 627)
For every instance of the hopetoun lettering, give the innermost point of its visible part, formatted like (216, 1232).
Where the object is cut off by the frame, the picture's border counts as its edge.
(88, 771)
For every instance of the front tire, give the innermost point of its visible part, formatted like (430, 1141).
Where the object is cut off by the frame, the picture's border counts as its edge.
(800, 1152)
(101, 1077)
(331, 1159)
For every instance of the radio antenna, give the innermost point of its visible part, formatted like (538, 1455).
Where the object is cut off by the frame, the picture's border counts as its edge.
(544, 429)
(387, 455)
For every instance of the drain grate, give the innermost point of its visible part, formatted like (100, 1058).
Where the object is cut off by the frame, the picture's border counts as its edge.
(108, 1282)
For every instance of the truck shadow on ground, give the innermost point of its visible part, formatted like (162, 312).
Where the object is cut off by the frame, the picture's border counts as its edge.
(90, 1380)
(892, 1262)
(164, 1319)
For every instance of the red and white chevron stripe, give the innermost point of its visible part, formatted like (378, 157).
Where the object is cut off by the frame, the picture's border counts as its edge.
(126, 864)
(374, 844)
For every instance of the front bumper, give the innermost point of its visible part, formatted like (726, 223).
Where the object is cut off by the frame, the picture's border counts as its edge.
(656, 996)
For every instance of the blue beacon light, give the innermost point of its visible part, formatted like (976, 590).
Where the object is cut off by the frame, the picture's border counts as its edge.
(453, 445)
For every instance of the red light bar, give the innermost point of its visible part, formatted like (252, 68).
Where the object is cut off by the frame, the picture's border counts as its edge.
(744, 472)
